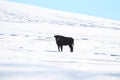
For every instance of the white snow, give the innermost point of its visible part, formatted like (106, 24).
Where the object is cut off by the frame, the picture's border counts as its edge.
(28, 50)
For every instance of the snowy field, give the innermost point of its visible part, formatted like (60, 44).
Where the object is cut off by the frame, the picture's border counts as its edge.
(28, 50)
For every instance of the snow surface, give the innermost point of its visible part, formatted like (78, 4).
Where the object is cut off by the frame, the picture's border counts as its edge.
(28, 50)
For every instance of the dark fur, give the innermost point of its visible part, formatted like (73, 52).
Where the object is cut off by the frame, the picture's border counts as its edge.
(62, 40)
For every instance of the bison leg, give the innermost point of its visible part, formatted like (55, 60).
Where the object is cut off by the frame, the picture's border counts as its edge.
(71, 48)
(61, 48)
(58, 48)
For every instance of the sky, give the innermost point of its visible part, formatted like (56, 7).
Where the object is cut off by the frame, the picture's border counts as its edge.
(100, 8)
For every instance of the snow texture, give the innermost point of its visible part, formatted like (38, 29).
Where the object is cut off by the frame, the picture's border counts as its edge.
(28, 50)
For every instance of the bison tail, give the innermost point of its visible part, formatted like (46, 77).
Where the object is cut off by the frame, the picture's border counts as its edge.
(73, 43)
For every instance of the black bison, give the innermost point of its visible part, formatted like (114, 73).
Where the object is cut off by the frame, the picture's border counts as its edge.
(62, 40)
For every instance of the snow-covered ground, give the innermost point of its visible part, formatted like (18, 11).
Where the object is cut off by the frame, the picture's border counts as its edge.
(28, 50)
